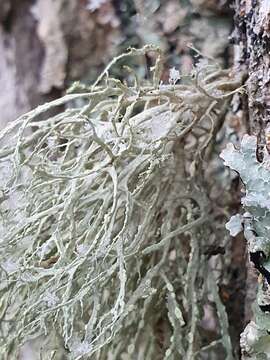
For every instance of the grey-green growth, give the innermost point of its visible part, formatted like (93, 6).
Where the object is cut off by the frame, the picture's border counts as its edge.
(255, 221)
(102, 207)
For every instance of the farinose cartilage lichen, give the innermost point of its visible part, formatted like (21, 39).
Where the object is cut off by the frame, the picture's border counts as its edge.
(105, 218)
(256, 225)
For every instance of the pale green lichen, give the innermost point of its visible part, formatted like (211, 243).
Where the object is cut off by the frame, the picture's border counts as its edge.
(256, 221)
(100, 205)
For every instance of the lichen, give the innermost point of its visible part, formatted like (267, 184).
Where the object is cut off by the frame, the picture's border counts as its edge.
(255, 176)
(105, 217)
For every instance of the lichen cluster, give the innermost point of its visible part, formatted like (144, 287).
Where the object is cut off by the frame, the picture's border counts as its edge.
(255, 222)
(107, 219)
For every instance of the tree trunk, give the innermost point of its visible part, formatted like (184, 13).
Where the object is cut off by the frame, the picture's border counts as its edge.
(251, 37)
(252, 21)
(252, 44)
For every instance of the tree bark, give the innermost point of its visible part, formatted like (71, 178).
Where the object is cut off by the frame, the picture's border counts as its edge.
(251, 37)
(252, 44)
(46, 44)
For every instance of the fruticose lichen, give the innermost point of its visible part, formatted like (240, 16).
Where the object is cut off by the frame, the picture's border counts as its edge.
(255, 221)
(106, 219)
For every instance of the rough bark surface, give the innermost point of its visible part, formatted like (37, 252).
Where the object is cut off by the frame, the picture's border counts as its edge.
(46, 44)
(252, 45)
(251, 36)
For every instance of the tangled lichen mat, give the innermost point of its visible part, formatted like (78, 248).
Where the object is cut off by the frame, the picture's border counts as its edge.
(106, 218)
